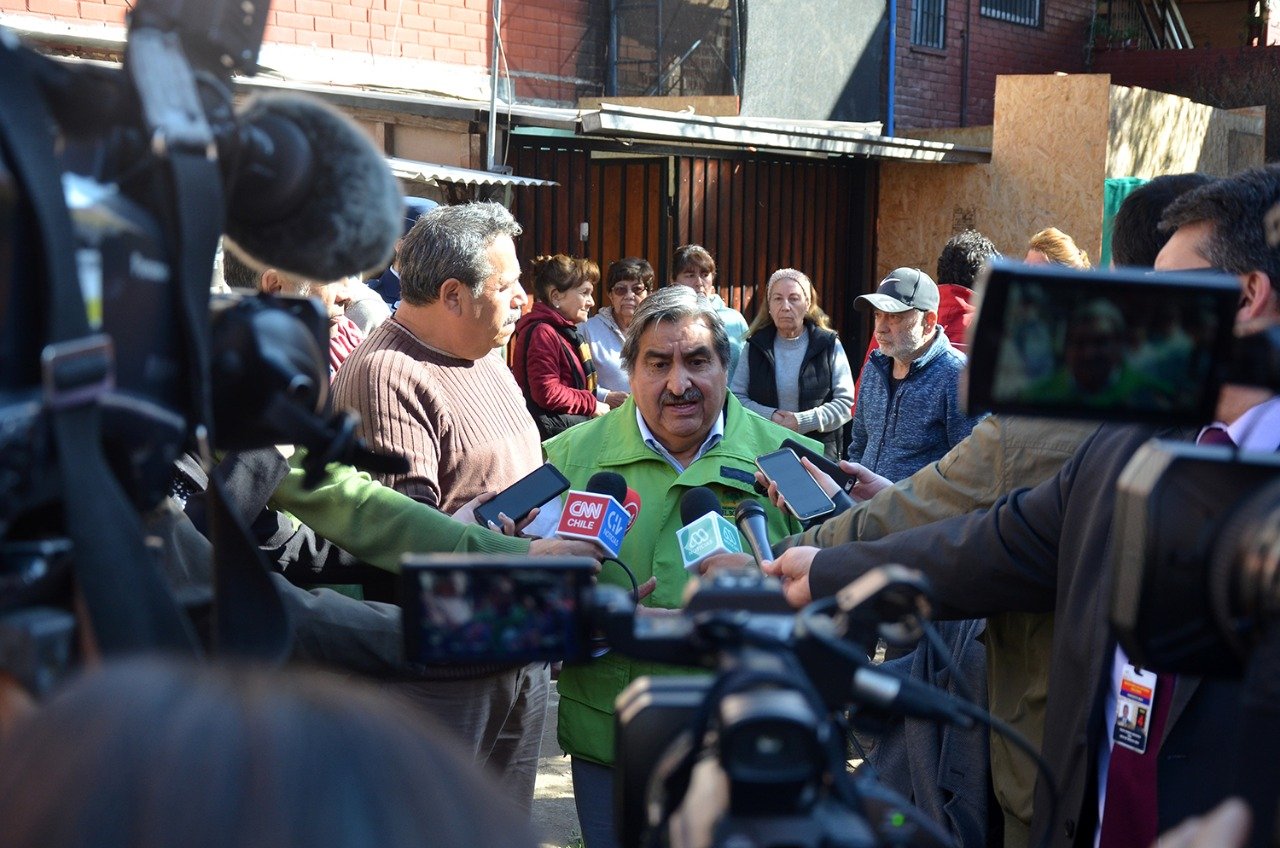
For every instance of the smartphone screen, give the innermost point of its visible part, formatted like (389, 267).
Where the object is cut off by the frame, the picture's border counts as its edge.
(524, 496)
(805, 497)
(472, 609)
(823, 463)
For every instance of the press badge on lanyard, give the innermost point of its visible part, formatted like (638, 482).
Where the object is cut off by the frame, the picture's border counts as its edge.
(1134, 708)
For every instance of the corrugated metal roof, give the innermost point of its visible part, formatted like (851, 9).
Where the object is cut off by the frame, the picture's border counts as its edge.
(831, 137)
(407, 169)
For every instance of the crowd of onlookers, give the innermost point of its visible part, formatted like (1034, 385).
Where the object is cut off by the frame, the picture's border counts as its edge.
(669, 386)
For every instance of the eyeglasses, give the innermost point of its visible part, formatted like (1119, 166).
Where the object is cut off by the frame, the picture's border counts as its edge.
(623, 288)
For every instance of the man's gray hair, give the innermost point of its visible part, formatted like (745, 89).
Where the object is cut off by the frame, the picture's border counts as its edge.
(673, 303)
(451, 242)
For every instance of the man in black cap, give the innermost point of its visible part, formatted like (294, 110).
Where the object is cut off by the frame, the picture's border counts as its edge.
(908, 412)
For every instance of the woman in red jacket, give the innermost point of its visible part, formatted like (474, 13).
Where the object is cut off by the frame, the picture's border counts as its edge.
(552, 362)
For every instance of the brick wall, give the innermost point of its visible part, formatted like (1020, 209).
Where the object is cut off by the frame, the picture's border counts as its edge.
(559, 38)
(929, 82)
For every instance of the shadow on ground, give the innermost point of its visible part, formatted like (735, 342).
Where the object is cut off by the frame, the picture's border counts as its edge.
(553, 814)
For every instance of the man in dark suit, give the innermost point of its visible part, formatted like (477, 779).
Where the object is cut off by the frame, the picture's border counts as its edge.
(1049, 549)
(387, 285)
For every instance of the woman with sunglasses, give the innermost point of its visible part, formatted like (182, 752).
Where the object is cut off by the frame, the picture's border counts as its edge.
(628, 282)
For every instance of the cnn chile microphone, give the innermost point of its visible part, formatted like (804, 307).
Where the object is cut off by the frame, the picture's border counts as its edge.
(750, 518)
(597, 514)
(706, 532)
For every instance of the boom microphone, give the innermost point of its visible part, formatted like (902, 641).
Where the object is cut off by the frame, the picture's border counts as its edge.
(705, 532)
(308, 191)
(597, 514)
(749, 516)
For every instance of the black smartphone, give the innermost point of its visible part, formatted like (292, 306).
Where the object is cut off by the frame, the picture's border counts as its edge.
(831, 469)
(805, 498)
(524, 496)
(461, 608)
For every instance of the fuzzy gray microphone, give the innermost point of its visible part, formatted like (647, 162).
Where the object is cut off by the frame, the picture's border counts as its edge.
(310, 192)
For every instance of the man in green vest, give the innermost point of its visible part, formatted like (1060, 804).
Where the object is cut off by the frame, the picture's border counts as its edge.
(680, 429)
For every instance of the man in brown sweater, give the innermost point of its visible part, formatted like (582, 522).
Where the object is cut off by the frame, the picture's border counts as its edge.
(426, 386)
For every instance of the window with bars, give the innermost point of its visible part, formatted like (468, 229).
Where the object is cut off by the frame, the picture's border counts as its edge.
(929, 23)
(1025, 12)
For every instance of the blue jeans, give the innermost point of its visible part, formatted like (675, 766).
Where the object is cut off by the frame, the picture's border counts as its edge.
(593, 796)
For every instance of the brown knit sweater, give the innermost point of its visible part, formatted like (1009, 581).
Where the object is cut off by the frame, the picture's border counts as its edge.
(463, 425)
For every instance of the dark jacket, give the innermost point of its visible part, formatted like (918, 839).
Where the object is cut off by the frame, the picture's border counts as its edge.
(943, 769)
(387, 286)
(815, 376)
(1050, 549)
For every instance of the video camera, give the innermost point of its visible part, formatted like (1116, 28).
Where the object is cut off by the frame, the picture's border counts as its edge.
(115, 186)
(1196, 533)
(756, 751)
(1194, 524)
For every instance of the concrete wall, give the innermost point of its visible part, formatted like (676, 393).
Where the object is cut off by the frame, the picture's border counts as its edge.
(1055, 140)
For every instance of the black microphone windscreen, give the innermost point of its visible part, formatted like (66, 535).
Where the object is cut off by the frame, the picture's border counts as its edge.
(609, 483)
(343, 210)
(746, 508)
(696, 503)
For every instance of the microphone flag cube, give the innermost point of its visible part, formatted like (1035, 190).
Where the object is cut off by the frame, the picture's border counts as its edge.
(595, 518)
(710, 534)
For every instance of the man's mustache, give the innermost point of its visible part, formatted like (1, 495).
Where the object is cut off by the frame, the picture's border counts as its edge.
(690, 396)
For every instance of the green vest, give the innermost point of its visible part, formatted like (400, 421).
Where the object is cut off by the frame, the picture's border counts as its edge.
(613, 443)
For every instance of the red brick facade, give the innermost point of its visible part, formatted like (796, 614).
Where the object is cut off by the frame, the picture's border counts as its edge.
(930, 83)
(555, 48)
(547, 37)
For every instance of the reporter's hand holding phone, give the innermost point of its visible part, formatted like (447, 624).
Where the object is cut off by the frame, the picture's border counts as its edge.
(869, 483)
(504, 525)
(537, 547)
(800, 492)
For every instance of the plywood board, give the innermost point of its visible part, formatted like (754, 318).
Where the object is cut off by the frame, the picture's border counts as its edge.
(1048, 163)
(1153, 133)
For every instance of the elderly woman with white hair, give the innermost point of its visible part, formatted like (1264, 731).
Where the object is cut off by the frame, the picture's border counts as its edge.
(794, 370)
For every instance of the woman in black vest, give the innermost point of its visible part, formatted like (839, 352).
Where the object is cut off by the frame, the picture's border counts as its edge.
(794, 370)
(552, 362)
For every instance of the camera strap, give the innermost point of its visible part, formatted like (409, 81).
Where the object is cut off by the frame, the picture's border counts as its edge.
(130, 606)
(250, 619)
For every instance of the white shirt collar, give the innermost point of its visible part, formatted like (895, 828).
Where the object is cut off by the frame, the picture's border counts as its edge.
(1259, 428)
(713, 439)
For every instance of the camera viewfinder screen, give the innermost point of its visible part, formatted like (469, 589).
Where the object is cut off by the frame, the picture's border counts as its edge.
(486, 614)
(1125, 345)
